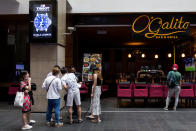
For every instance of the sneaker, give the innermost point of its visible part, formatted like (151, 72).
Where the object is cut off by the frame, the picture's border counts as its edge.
(31, 122)
(26, 127)
(166, 109)
(61, 123)
(58, 125)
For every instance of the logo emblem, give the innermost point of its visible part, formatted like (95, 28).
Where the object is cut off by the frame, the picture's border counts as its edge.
(42, 22)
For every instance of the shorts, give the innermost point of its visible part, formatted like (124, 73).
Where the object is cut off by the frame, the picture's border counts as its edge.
(73, 96)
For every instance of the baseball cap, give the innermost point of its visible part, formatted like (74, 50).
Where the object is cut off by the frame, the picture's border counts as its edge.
(175, 67)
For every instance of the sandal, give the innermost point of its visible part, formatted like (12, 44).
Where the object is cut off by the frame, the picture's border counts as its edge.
(96, 121)
(80, 121)
(166, 109)
(90, 117)
(71, 122)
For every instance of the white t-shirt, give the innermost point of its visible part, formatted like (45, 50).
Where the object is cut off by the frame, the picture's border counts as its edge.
(55, 87)
(63, 79)
(71, 81)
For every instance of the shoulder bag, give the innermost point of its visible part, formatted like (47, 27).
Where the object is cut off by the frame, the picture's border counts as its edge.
(50, 84)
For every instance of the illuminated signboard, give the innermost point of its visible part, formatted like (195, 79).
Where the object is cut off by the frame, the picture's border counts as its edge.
(189, 64)
(43, 21)
(161, 27)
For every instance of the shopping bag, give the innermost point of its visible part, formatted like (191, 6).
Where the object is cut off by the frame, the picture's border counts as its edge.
(19, 99)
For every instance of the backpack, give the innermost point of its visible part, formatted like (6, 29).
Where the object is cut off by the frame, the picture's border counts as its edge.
(171, 81)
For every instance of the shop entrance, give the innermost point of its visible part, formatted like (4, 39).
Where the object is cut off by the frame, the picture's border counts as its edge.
(124, 57)
(14, 50)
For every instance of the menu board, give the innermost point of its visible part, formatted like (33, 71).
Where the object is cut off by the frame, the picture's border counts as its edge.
(88, 60)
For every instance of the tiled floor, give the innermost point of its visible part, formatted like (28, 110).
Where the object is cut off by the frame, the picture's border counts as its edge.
(114, 118)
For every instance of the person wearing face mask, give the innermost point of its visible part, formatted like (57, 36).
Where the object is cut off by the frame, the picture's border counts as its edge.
(25, 86)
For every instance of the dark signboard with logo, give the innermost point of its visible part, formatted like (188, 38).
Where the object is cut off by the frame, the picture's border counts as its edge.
(43, 21)
(160, 26)
(170, 26)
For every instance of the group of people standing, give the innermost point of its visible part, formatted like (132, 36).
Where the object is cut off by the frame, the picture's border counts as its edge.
(69, 81)
(54, 84)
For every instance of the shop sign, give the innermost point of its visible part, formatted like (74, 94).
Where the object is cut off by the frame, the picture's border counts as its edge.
(43, 21)
(161, 27)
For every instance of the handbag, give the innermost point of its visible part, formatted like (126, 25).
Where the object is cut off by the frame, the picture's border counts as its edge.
(33, 87)
(19, 99)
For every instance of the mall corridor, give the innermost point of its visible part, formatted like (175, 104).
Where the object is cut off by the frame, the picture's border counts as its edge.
(114, 118)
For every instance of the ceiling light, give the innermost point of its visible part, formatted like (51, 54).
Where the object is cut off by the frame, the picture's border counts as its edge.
(169, 55)
(129, 55)
(156, 56)
(182, 55)
(143, 55)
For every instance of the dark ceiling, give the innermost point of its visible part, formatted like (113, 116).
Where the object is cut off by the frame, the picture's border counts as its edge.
(117, 37)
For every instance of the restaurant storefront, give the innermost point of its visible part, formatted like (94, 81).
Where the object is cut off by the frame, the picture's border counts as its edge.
(133, 43)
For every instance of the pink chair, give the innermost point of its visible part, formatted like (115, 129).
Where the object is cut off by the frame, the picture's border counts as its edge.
(187, 90)
(193, 99)
(124, 91)
(156, 91)
(83, 89)
(140, 90)
(104, 88)
(194, 89)
(13, 88)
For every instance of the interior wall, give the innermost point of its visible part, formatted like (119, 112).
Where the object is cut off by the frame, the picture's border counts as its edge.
(109, 6)
(61, 22)
(14, 7)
